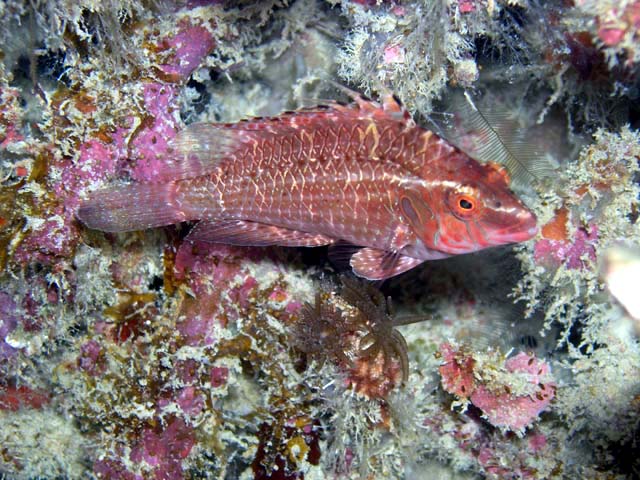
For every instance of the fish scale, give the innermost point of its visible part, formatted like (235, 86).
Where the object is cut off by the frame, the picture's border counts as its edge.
(244, 198)
(275, 153)
(363, 173)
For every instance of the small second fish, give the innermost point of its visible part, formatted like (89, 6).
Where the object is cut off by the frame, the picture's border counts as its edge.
(362, 173)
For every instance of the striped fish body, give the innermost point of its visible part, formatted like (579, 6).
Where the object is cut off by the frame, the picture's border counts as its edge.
(362, 173)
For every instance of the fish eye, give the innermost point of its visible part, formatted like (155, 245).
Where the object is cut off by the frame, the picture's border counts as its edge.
(465, 203)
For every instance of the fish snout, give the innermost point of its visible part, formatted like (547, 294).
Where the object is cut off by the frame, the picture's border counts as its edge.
(523, 227)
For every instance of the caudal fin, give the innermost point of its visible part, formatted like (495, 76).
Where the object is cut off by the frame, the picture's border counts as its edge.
(131, 207)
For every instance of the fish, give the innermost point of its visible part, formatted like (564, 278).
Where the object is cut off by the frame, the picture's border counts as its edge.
(361, 173)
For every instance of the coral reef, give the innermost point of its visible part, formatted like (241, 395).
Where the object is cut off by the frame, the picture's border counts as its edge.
(510, 396)
(616, 26)
(147, 355)
(358, 336)
(590, 209)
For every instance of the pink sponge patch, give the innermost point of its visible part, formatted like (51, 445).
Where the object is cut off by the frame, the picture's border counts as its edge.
(151, 140)
(457, 371)
(499, 401)
(573, 254)
(164, 448)
(191, 44)
(512, 411)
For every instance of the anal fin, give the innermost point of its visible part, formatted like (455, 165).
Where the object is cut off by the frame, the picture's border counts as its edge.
(374, 264)
(255, 234)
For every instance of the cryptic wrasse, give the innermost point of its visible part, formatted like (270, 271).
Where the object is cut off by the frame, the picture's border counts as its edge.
(362, 173)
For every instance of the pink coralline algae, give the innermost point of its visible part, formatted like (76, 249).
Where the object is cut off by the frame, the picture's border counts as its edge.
(610, 36)
(393, 54)
(160, 449)
(57, 235)
(91, 358)
(44, 195)
(188, 400)
(573, 253)
(150, 143)
(191, 44)
(456, 371)
(48, 231)
(201, 266)
(517, 412)
(466, 6)
(10, 118)
(13, 398)
(219, 376)
(510, 395)
(613, 28)
(500, 462)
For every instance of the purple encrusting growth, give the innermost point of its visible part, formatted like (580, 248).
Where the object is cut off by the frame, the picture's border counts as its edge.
(511, 398)
(154, 356)
(144, 141)
(149, 147)
(162, 451)
(573, 255)
(191, 44)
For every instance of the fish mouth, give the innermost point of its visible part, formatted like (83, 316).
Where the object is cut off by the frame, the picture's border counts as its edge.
(525, 229)
(517, 236)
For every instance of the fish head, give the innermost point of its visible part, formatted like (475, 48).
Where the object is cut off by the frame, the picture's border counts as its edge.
(472, 209)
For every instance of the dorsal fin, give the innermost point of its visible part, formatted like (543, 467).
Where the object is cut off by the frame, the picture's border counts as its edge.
(391, 107)
(200, 148)
(197, 150)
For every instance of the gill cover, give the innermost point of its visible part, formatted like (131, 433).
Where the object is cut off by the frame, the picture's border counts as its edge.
(421, 218)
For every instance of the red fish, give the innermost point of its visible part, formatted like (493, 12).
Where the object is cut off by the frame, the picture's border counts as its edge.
(362, 173)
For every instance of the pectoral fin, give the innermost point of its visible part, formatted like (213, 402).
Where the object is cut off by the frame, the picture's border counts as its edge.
(255, 234)
(374, 264)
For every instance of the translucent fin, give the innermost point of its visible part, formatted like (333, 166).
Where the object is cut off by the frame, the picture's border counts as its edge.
(374, 264)
(242, 232)
(201, 148)
(131, 207)
(198, 150)
(411, 319)
(494, 134)
(392, 105)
